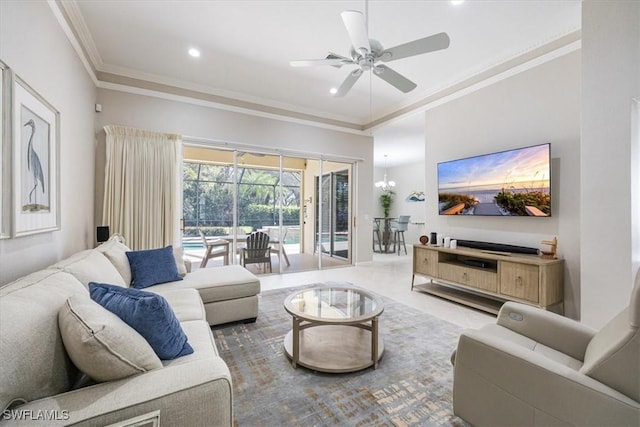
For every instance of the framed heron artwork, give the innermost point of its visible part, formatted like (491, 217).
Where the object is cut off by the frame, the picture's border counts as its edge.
(36, 172)
(5, 151)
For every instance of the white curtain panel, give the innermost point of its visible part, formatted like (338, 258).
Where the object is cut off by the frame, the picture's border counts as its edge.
(141, 188)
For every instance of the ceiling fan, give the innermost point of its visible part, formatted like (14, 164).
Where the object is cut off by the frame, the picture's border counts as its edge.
(366, 53)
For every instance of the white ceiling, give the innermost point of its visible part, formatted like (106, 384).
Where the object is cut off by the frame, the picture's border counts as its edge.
(247, 45)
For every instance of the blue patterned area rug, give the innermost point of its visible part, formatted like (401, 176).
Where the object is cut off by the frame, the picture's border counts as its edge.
(411, 387)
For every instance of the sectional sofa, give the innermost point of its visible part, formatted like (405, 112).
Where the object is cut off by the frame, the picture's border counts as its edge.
(40, 384)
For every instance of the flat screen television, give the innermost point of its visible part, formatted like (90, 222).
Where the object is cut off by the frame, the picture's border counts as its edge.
(507, 183)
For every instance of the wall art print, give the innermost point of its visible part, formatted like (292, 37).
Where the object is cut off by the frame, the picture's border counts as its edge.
(35, 162)
(5, 151)
(416, 196)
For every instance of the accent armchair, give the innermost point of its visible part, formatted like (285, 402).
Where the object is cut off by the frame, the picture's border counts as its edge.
(534, 367)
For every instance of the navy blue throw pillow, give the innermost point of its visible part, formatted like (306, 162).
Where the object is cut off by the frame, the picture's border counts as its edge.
(149, 314)
(152, 266)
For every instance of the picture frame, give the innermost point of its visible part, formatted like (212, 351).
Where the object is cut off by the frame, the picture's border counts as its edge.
(5, 150)
(36, 168)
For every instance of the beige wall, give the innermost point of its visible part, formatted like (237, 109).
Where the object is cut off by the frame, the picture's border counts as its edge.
(537, 106)
(408, 178)
(610, 82)
(33, 44)
(199, 121)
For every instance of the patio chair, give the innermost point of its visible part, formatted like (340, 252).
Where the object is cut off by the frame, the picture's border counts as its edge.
(278, 243)
(214, 249)
(257, 250)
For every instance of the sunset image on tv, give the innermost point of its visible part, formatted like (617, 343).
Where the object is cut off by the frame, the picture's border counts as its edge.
(509, 183)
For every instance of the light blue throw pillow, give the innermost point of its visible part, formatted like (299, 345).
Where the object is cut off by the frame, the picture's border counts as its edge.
(149, 314)
(152, 266)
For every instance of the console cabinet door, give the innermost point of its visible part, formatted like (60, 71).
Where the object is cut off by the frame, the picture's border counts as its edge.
(520, 281)
(472, 277)
(425, 262)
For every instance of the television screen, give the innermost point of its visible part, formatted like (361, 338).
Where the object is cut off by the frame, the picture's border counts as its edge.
(508, 183)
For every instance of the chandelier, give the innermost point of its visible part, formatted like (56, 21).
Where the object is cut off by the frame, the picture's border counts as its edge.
(385, 184)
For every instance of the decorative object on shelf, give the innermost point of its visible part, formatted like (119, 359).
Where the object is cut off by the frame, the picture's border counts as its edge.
(551, 253)
(385, 184)
(386, 200)
(36, 177)
(102, 233)
(434, 238)
(416, 196)
(5, 151)
(424, 240)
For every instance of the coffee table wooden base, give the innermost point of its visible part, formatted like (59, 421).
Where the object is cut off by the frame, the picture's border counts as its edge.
(334, 348)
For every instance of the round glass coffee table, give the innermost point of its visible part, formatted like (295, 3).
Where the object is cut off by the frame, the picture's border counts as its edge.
(335, 329)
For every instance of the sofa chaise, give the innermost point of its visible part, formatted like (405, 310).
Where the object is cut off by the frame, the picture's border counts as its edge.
(39, 382)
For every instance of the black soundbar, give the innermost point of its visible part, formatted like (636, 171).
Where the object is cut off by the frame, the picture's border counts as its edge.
(497, 247)
(477, 263)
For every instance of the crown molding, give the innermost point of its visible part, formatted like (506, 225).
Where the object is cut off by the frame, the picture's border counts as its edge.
(107, 76)
(516, 65)
(113, 73)
(69, 31)
(75, 20)
(198, 98)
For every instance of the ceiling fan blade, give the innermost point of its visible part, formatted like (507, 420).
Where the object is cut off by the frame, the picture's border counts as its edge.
(394, 79)
(348, 83)
(417, 47)
(313, 62)
(357, 29)
(332, 55)
(344, 59)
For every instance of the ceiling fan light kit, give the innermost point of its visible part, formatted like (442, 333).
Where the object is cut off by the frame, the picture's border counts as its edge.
(366, 52)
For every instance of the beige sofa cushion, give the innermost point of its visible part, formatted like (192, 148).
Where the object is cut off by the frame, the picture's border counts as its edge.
(100, 344)
(200, 338)
(91, 266)
(216, 284)
(116, 252)
(178, 254)
(186, 304)
(33, 361)
(612, 356)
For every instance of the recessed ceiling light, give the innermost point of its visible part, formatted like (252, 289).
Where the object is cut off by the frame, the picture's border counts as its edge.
(333, 91)
(456, 2)
(194, 52)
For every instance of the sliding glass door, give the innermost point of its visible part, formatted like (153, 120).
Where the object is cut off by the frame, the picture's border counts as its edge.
(228, 194)
(333, 211)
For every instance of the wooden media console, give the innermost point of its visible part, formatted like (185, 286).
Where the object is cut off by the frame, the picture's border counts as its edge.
(486, 279)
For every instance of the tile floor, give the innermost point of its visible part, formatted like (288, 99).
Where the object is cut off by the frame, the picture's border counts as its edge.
(388, 275)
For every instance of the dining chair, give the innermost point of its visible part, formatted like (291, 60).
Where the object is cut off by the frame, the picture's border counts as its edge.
(401, 225)
(376, 235)
(257, 250)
